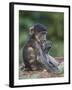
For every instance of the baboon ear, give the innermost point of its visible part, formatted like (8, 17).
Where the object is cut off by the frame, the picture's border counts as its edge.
(31, 30)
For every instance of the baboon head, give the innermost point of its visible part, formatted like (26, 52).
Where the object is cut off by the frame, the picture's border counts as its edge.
(40, 33)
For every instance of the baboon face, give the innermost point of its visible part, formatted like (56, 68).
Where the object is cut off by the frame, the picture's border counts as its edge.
(42, 36)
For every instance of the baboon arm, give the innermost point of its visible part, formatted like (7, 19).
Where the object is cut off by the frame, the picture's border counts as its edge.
(31, 55)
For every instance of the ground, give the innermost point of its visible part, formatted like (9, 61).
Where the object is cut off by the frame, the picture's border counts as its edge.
(39, 74)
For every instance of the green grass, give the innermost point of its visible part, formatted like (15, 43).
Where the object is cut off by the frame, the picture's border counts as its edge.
(57, 49)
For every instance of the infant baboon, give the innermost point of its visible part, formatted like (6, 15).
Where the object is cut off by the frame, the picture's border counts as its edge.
(35, 51)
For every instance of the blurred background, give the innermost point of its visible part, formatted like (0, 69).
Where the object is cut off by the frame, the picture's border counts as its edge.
(54, 21)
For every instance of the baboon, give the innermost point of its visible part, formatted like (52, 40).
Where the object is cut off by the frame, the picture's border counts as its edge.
(35, 51)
